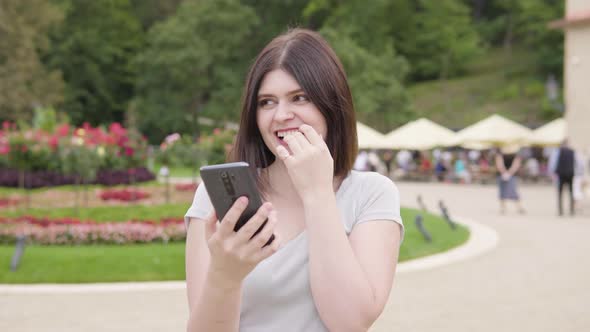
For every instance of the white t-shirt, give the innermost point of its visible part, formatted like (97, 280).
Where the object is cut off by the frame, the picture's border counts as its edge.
(276, 295)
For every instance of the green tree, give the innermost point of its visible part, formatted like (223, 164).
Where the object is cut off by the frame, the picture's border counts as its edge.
(375, 72)
(25, 83)
(525, 22)
(375, 81)
(94, 49)
(151, 11)
(369, 26)
(194, 65)
(442, 39)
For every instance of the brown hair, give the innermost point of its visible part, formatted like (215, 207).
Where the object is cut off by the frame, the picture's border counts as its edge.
(311, 61)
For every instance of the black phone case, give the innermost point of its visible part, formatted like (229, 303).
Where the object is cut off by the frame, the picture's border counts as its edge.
(225, 183)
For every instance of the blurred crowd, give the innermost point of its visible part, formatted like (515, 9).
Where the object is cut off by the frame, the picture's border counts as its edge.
(459, 165)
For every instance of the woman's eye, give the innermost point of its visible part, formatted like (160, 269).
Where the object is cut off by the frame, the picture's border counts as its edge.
(264, 102)
(300, 98)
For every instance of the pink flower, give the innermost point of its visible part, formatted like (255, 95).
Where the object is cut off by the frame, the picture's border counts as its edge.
(53, 141)
(63, 130)
(4, 149)
(129, 151)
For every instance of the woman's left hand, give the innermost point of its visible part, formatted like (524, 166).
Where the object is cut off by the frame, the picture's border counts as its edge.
(309, 164)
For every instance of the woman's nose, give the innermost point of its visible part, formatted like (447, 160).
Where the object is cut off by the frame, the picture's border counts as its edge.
(284, 112)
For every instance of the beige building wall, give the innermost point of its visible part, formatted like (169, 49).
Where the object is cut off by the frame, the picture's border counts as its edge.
(577, 74)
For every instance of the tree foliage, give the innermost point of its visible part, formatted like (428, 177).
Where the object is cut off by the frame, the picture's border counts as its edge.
(94, 49)
(194, 65)
(163, 64)
(375, 80)
(439, 40)
(25, 83)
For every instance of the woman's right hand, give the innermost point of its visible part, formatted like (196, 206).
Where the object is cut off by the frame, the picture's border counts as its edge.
(235, 254)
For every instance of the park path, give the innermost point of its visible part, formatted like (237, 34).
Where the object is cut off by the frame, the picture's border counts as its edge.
(536, 279)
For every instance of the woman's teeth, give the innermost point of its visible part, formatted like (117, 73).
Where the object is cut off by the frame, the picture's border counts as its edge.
(283, 134)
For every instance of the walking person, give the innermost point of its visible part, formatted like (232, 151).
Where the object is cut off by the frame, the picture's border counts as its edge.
(508, 162)
(562, 164)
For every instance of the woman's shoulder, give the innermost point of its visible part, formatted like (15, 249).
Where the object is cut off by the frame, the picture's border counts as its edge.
(369, 181)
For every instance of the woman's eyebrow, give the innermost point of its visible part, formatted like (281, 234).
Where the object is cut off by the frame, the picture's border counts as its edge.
(263, 95)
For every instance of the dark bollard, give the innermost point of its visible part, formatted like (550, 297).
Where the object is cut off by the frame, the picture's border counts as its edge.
(445, 214)
(421, 203)
(420, 225)
(18, 252)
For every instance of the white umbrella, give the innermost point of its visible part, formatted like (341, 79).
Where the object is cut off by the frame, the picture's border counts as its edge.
(421, 134)
(369, 138)
(550, 134)
(494, 129)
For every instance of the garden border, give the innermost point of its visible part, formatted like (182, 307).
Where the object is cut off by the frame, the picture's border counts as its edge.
(482, 239)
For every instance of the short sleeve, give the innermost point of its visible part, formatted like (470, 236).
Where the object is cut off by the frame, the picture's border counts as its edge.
(201, 206)
(380, 201)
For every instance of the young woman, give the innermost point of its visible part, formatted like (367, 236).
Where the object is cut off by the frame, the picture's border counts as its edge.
(508, 163)
(338, 231)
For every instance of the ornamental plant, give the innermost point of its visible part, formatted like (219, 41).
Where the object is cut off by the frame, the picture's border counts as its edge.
(218, 145)
(75, 232)
(81, 151)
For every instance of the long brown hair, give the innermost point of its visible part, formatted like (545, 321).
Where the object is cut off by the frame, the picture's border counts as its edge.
(311, 61)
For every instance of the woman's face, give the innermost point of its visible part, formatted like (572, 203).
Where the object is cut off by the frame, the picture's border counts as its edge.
(282, 107)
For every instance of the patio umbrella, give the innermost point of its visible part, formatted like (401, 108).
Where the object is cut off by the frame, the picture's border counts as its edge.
(369, 138)
(421, 134)
(494, 130)
(550, 134)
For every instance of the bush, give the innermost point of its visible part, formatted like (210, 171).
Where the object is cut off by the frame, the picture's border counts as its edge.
(217, 145)
(40, 179)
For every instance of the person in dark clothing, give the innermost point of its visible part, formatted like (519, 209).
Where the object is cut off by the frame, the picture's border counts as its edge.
(562, 163)
(508, 163)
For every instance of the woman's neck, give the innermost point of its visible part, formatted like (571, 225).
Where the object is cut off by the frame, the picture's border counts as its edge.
(279, 181)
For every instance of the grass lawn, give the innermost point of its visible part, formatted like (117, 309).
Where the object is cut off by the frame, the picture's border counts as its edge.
(178, 172)
(80, 264)
(107, 213)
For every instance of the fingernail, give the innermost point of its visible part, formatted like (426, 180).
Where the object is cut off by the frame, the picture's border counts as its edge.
(243, 200)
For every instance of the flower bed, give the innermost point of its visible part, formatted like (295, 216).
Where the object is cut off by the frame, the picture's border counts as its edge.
(97, 155)
(186, 186)
(39, 179)
(125, 195)
(5, 202)
(76, 232)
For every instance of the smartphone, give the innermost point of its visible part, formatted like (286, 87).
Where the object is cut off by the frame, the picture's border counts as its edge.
(225, 183)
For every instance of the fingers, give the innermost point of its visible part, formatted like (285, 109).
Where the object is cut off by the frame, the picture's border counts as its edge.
(257, 243)
(247, 231)
(232, 216)
(302, 140)
(268, 250)
(312, 136)
(210, 225)
(293, 143)
(283, 153)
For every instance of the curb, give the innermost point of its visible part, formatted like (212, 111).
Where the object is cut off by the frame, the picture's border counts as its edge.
(481, 240)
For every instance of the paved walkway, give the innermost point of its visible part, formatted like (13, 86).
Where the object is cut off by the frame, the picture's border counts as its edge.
(534, 280)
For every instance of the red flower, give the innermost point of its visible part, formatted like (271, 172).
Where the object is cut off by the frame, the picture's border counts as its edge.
(63, 130)
(53, 141)
(4, 149)
(129, 151)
